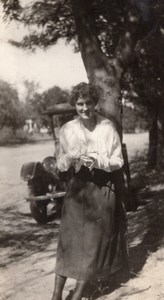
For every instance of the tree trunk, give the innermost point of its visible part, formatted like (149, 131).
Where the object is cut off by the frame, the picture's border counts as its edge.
(161, 134)
(155, 91)
(103, 72)
(161, 94)
(153, 138)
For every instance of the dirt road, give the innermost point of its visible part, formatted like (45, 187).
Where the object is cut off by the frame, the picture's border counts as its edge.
(25, 246)
(27, 250)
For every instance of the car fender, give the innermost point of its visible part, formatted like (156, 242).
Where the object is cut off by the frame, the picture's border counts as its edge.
(31, 170)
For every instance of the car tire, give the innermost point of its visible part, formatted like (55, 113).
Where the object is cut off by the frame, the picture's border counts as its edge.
(39, 211)
(38, 208)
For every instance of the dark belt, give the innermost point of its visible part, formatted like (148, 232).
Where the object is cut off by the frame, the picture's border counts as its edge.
(97, 176)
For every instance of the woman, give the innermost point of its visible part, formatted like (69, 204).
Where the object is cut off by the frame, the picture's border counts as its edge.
(89, 240)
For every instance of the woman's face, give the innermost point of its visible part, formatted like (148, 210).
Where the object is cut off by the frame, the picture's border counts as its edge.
(85, 108)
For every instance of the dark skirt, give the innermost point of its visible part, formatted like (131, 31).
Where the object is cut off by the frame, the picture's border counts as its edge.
(92, 236)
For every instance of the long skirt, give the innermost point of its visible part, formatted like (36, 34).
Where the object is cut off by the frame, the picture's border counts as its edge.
(92, 236)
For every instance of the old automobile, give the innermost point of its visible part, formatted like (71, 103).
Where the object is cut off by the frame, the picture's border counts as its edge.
(44, 186)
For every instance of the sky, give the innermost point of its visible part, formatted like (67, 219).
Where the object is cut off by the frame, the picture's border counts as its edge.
(56, 66)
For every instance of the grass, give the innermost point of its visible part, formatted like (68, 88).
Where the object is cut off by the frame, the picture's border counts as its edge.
(19, 136)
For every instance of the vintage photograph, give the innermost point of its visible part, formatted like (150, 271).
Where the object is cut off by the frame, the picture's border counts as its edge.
(81, 149)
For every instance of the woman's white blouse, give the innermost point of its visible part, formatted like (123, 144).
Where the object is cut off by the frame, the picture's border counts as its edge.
(103, 143)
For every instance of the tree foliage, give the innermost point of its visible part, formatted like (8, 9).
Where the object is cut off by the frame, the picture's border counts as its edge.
(135, 119)
(55, 19)
(11, 109)
(31, 87)
(38, 103)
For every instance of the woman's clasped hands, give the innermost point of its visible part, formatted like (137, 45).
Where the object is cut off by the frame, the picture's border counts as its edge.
(77, 160)
(74, 155)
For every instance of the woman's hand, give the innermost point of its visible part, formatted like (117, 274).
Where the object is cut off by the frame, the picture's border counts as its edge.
(74, 155)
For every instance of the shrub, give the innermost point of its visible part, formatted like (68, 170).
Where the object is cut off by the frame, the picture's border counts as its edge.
(8, 136)
(22, 135)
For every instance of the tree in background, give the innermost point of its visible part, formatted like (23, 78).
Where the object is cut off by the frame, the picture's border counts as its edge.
(31, 89)
(154, 89)
(11, 109)
(37, 104)
(55, 95)
(145, 77)
(52, 96)
(134, 119)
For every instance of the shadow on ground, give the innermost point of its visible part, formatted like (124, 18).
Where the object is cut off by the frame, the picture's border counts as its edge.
(24, 237)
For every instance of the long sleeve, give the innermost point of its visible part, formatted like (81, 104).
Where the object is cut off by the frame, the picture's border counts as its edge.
(116, 159)
(63, 160)
(110, 157)
(69, 145)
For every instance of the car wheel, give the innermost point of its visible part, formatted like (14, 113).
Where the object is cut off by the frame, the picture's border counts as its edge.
(39, 211)
(38, 208)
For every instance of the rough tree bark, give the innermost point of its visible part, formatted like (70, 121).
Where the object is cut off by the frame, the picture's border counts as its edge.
(153, 136)
(156, 135)
(160, 160)
(155, 90)
(161, 91)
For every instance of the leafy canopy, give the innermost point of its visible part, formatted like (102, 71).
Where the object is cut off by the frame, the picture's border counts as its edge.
(37, 104)
(50, 20)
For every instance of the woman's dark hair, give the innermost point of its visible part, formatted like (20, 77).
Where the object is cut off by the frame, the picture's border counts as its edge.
(84, 90)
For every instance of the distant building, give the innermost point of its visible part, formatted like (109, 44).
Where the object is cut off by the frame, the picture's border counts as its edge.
(31, 126)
